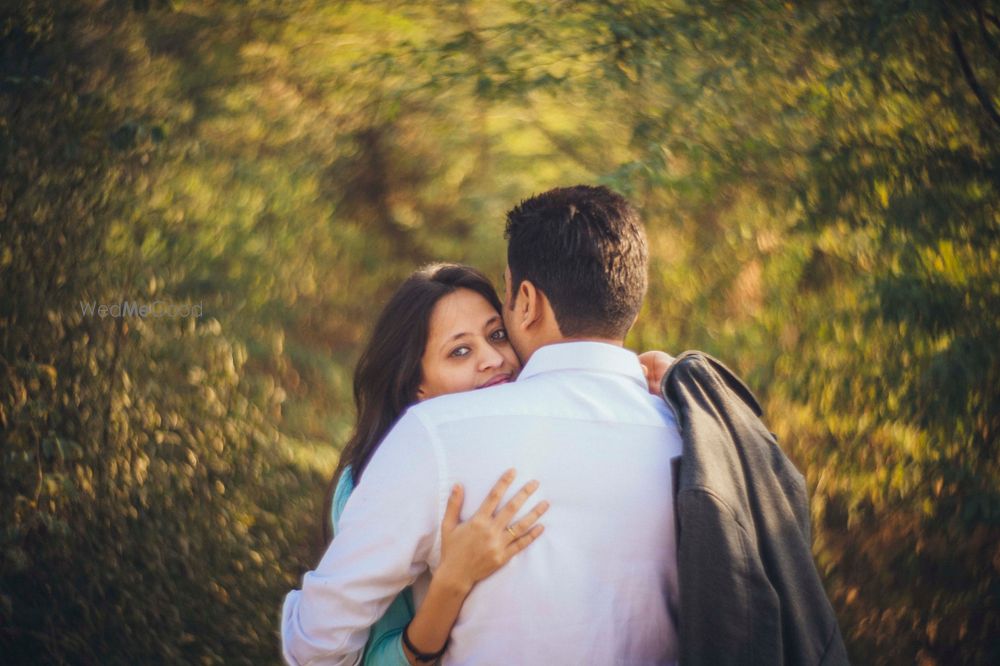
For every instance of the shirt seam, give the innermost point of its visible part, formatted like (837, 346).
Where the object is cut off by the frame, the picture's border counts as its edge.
(473, 417)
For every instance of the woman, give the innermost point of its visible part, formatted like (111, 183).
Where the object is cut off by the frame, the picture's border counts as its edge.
(441, 332)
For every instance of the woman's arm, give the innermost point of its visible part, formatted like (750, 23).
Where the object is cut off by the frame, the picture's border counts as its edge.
(385, 642)
(470, 552)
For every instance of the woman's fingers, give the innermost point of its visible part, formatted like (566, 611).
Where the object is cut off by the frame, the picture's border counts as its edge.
(507, 513)
(489, 505)
(522, 542)
(654, 365)
(474, 549)
(454, 508)
(521, 527)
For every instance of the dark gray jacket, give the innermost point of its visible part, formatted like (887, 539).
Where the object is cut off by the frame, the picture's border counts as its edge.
(749, 589)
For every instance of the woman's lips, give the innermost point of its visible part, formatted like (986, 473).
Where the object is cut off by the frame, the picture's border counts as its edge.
(499, 379)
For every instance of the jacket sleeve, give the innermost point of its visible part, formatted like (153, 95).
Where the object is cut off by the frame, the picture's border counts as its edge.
(721, 608)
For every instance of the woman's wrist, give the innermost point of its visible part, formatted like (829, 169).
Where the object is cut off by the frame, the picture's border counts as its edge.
(427, 633)
(418, 654)
(451, 582)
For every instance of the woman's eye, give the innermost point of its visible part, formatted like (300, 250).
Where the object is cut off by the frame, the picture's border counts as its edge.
(460, 351)
(499, 335)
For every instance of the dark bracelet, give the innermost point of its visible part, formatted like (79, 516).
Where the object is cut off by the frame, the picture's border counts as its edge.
(423, 656)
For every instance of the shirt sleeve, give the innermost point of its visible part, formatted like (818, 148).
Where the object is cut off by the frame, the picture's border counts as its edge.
(387, 531)
(385, 643)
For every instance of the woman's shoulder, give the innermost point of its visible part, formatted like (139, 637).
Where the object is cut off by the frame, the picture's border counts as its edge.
(345, 486)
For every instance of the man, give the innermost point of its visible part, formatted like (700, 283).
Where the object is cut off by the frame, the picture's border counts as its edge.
(600, 586)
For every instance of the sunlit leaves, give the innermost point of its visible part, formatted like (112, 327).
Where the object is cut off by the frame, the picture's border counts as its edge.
(819, 185)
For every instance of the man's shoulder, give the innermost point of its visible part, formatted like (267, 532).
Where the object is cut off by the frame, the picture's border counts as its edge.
(553, 397)
(501, 400)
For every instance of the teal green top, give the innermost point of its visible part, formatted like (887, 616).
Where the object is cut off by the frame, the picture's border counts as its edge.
(385, 642)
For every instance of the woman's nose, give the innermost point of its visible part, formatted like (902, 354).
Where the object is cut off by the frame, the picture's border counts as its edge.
(490, 358)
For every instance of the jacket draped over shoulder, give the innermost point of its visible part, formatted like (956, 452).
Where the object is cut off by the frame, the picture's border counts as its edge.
(749, 589)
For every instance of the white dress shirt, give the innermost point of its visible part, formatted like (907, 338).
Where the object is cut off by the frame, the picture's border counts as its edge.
(599, 586)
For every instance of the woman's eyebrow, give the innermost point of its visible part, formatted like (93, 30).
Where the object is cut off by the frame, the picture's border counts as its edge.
(453, 338)
(489, 322)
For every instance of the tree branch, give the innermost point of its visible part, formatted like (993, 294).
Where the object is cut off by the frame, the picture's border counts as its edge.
(970, 78)
(991, 44)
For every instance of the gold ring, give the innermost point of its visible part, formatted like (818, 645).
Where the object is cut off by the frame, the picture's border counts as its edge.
(512, 532)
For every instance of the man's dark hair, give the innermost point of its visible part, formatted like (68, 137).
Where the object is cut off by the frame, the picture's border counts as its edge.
(584, 248)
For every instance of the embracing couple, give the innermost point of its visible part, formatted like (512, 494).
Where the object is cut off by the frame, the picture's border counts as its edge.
(437, 554)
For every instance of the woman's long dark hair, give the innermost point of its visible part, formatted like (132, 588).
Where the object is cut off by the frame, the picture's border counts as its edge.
(388, 373)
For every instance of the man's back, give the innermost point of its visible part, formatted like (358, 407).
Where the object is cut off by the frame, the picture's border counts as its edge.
(600, 585)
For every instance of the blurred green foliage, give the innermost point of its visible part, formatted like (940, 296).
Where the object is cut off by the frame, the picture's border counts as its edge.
(819, 182)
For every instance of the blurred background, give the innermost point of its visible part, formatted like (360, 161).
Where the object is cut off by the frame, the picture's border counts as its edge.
(820, 182)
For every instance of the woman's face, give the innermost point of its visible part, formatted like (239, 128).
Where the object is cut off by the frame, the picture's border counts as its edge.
(467, 347)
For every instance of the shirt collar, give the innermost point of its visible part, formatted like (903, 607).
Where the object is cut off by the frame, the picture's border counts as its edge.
(586, 356)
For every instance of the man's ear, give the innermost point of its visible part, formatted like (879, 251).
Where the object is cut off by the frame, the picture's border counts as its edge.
(528, 305)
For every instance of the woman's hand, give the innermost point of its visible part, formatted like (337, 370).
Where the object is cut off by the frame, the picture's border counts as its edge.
(470, 552)
(654, 366)
(473, 550)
